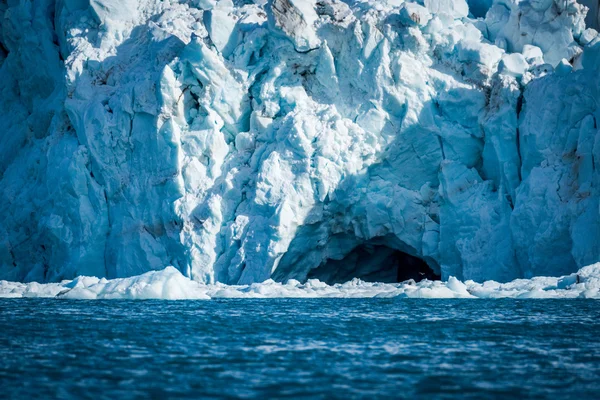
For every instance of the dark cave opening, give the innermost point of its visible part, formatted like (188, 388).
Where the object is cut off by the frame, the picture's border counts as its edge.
(374, 263)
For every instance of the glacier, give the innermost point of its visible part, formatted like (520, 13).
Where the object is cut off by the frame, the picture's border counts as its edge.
(292, 140)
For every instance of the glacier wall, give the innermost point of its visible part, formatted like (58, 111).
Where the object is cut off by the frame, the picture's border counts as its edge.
(239, 141)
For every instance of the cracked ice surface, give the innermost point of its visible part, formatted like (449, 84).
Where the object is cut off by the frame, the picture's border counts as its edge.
(239, 141)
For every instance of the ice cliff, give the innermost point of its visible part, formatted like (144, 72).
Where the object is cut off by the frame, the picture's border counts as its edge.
(245, 141)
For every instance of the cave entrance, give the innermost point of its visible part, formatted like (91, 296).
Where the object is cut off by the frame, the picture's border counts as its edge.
(373, 263)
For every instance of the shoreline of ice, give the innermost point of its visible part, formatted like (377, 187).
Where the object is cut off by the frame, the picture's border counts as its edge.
(170, 284)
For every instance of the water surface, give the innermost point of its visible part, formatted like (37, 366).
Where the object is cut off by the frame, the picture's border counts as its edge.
(308, 348)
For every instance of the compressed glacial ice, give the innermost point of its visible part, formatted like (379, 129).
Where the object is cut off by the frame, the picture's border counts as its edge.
(242, 141)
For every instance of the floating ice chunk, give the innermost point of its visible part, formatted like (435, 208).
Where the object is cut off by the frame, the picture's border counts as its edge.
(457, 286)
(169, 284)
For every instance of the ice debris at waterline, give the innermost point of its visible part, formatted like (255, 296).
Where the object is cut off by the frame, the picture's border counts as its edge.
(170, 284)
(248, 140)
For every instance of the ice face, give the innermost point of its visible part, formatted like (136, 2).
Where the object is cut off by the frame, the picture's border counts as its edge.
(239, 141)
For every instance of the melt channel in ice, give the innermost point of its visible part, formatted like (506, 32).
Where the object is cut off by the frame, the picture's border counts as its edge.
(242, 141)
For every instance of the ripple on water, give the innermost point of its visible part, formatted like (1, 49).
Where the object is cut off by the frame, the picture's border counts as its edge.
(358, 348)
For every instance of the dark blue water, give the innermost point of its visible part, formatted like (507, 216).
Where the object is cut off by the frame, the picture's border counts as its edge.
(325, 348)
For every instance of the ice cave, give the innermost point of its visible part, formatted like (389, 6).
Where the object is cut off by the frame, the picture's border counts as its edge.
(374, 263)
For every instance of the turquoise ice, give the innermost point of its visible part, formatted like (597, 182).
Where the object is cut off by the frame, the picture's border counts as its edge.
(243, 141)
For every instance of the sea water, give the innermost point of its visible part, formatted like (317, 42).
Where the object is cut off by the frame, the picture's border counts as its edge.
(300, 348)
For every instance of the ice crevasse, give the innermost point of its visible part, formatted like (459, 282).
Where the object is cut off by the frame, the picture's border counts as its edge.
(295, 139)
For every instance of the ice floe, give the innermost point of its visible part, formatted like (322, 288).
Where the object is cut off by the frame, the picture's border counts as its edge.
(170, 284)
